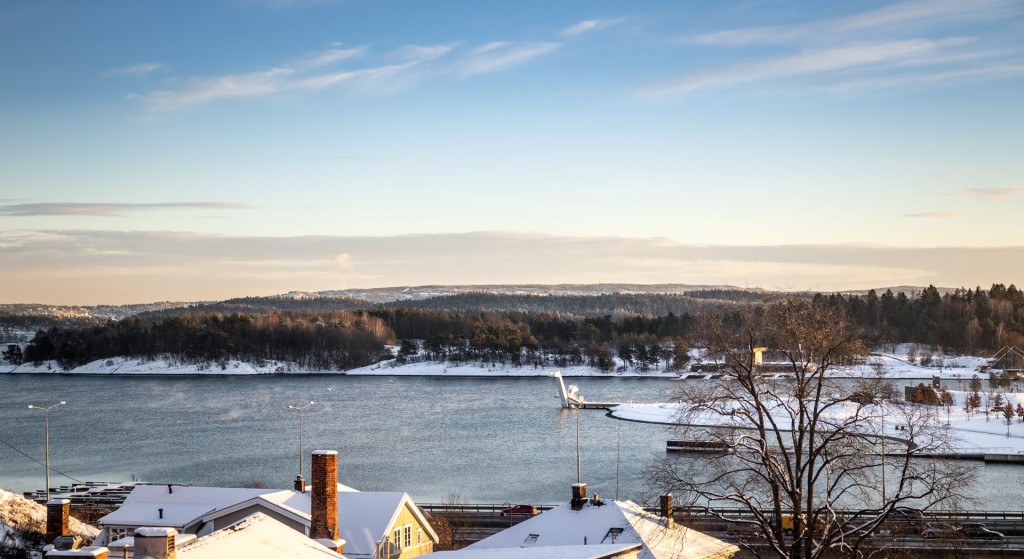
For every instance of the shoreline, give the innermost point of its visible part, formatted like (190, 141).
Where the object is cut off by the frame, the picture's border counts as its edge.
(878, 367)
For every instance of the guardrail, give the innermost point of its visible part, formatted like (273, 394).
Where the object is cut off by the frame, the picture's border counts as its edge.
(474, 508)
(727, 512)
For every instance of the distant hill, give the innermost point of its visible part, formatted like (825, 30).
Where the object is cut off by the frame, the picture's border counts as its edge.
(414, 293)
(581, 299)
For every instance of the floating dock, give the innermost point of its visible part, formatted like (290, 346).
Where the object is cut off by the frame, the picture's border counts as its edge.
(571, 397)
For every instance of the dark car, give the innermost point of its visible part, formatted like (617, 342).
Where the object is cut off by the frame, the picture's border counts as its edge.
(980, 532)
(939, 530)
(520, 510)
(905, 520)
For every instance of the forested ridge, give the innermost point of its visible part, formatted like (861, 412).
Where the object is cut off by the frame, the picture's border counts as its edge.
(643, 330)
(335, 340)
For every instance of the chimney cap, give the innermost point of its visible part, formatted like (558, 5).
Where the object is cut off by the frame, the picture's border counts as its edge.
(324, 452)
(579, 485)
(154, 532)
(58, 502)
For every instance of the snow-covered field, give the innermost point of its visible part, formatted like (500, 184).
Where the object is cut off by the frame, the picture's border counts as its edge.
(970, 434)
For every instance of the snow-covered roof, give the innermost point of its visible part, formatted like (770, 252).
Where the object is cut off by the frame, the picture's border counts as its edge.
(257, 536)
(616, 522)
(364, 518)
(181, 506)
(544, 552)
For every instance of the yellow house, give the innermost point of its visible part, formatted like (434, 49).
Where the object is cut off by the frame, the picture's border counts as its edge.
(360, 525)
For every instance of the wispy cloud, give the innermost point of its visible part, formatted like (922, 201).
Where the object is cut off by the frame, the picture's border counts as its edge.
(496, 56)
(120, 266)
(904, 16)
(135, 70)
(812, 62)
(589, 25)
(421, 53)
(902, 45)
(932, 215)
(330, 56)
(393, 72)
(107, 210)
(921, 78)
(995, 194)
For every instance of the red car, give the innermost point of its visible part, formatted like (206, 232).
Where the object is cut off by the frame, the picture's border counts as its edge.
(520, 510)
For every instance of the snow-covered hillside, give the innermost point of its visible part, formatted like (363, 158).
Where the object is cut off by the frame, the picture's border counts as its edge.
(19, 515)
(894, 365)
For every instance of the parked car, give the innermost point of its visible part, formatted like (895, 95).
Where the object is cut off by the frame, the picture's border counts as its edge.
(905, 520)
(520, 510)
(939, 530)
(979, 531)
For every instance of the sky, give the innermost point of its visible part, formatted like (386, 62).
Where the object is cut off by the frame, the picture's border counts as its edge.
(186, 151)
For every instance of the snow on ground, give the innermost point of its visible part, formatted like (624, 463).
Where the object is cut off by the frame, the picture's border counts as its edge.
(17, 512)
(159, 366)
(886, 365)
(970, 434)
(391, 367)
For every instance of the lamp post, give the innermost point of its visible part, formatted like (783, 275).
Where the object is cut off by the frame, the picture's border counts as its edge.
(46, 414)
(300, 409)
(579, 478)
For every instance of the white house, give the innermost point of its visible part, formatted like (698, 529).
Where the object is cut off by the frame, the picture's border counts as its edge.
(592, 523)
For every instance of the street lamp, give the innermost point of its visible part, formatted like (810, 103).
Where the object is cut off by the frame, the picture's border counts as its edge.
(46, 414)
(300, 484)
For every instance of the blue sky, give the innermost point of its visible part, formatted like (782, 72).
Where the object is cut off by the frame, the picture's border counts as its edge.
(201, 150)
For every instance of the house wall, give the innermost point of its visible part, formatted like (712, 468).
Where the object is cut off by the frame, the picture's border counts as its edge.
(423, 546)
(228, 519)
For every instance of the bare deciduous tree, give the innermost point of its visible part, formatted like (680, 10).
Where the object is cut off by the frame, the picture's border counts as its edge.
(806, 461)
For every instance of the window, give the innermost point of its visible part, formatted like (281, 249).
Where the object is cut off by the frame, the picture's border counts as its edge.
(397, 539)
(408, 535)
(116, 534)
(419, 536)
(530, 540)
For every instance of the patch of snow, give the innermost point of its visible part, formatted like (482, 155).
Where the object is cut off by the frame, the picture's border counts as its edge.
(19, 513)
(971, 434)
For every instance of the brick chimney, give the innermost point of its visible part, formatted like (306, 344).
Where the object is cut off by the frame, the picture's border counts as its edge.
(300, 484)
(57, 514)
(579, 496)
(323, 511)
(155, 543)
(89, 552)
(666, 510)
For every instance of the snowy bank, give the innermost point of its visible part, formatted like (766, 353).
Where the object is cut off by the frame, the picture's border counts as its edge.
(971, 433)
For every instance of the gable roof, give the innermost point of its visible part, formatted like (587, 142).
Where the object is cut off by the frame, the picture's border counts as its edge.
(618, 522)
(364, 518)
(182, 505)
(257, 536)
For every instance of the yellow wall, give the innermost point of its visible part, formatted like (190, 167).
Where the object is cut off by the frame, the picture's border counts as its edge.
(407, 517)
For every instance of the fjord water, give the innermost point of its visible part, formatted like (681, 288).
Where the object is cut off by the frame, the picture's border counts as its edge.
(491, 440)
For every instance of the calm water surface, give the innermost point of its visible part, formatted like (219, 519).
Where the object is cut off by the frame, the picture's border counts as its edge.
(488, 439)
